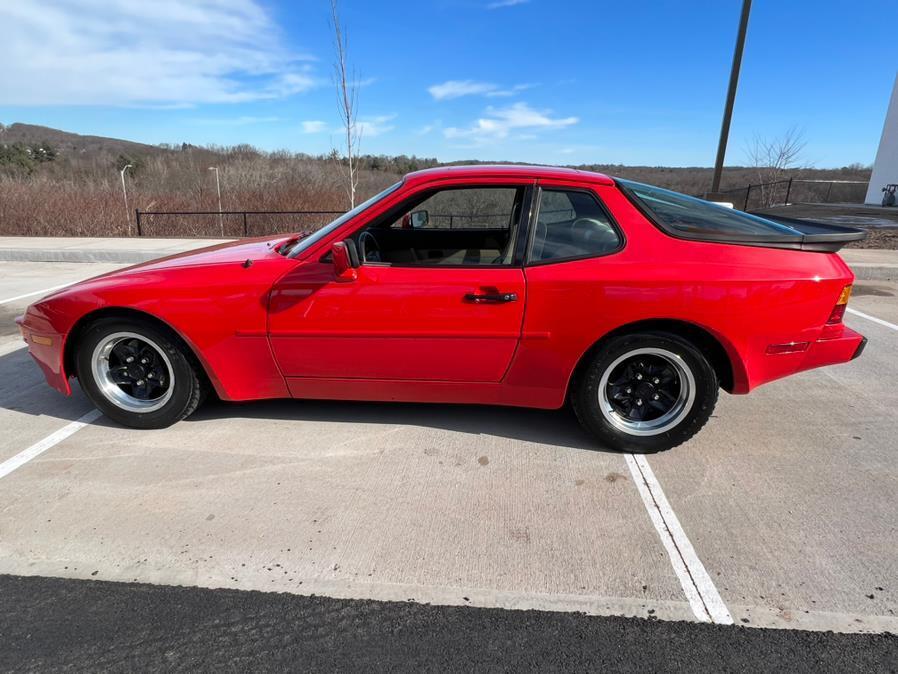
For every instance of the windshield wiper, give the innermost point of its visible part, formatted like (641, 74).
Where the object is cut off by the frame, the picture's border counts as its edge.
(285, 248)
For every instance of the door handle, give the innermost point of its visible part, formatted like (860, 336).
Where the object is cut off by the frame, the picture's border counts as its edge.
(491, 298)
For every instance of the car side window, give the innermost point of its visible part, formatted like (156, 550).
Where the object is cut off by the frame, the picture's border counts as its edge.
(572, 224)
(458, 226)
(466, 208)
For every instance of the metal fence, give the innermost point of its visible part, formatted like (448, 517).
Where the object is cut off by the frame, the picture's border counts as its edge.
(231, 224)
(228, 223)
(793, 191)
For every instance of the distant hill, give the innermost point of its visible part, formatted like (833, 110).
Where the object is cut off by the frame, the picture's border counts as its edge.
(65, 142)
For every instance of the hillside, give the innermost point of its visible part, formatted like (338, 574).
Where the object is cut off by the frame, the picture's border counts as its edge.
(57, 182)
(70, 143)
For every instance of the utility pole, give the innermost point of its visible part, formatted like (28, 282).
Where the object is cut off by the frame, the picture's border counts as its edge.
(218, 187)
(125, 194)
(731, 95)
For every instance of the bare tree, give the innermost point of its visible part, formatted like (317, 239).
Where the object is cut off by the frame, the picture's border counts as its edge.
(773, 158)
(347, 83)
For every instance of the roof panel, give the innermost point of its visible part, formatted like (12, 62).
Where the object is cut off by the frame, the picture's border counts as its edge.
(500, 170)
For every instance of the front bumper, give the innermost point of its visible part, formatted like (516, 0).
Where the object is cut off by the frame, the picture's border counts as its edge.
(47, 349)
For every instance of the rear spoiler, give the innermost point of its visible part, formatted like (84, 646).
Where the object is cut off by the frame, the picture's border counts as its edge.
(815, 236)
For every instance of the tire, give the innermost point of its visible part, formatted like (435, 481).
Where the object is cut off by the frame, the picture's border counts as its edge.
(116, 387)
(627, 368)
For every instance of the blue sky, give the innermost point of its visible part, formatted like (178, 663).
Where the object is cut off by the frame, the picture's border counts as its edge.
(553, 82)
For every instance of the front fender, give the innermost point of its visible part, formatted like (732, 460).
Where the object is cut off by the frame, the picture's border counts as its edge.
(219, 311)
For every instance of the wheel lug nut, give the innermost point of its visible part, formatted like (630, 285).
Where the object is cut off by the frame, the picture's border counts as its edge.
(129, 359)
(143, 361)
(656, 380)
(655, 397)
(639, 401)
(639, 376)
(140, 382)
(151, 375)
(629, 390)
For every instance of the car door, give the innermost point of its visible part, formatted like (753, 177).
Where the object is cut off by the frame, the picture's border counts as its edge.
(413, 320)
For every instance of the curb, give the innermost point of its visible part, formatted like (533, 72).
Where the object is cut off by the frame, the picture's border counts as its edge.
(38, 255)
(874, 272)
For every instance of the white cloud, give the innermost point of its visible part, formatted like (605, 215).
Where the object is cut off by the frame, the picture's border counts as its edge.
(314, 126)
(498, 123)
(132, 52)
(366, 127)
(458, 88)
(516, 89)
(375, 126)
(506, 3)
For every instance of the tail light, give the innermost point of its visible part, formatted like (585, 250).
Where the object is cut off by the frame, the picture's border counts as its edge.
(839, 310)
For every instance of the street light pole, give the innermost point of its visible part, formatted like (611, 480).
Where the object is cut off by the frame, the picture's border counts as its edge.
(125, 194)
(218, 187)
(731, 95)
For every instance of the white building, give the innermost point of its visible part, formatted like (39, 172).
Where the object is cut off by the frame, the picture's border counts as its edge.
(885, 168)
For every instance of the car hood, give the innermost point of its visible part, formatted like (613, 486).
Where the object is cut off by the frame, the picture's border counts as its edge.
(223, 253)
(234, 252)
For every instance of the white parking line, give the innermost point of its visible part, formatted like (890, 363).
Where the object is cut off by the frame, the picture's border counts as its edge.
(36, 292)
(703, 596)
(12, 346)
(42, 446)
(872, 318)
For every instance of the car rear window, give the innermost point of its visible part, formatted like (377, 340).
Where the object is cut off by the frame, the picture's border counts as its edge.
(682, 215)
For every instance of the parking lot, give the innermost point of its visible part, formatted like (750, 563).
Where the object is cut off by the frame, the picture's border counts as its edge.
(781, 513)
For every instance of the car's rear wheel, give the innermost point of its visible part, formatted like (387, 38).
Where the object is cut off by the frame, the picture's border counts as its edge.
(645, 392)
(137, 373)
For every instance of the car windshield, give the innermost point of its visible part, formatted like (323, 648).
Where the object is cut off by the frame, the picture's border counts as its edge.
(698, 218)
(304, 243)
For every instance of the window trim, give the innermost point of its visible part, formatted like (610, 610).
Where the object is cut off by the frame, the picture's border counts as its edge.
(621, 235)
(525, 217)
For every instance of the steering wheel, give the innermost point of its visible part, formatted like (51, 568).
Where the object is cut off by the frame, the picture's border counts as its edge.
(369, 249)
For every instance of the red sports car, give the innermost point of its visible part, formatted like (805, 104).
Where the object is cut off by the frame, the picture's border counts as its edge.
(506, 285)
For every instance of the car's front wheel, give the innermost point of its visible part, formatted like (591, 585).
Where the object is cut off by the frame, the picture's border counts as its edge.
(645, 392)
(136, 373)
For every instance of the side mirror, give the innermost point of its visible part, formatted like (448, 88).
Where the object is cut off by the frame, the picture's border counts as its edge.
(343, 267)
(419, 219)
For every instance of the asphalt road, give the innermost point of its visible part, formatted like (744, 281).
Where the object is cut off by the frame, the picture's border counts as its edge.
(50, 623)
(780, 514)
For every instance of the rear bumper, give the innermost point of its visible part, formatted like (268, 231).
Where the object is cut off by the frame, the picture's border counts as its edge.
(860, 348)
(46, 348)
(846, 347)
(839, 344)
